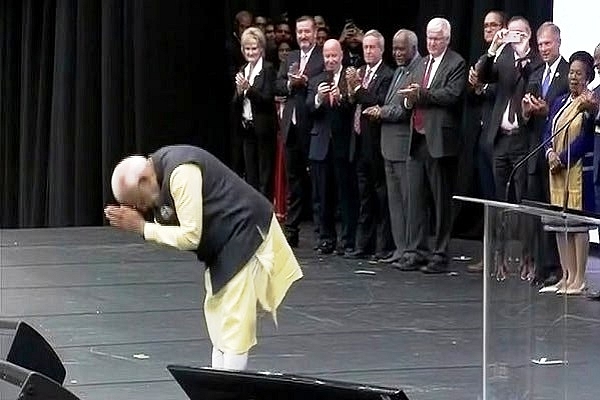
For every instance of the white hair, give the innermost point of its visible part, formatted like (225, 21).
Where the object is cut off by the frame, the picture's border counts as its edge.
(440, 24)
(377, 35)
(413, 41)
(126, 176)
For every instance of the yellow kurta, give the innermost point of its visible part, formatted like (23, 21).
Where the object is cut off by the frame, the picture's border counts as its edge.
(231, 313)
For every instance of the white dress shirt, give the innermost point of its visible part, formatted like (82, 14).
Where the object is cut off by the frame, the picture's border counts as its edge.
(251, 73)
(505, 123)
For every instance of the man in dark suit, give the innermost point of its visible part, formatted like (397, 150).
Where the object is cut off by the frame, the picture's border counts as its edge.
(480, 101)
(368, 86)
(395, 136)
(546, 85)
(511, 63)
(329, 152)
(436, 99)
(292, 81)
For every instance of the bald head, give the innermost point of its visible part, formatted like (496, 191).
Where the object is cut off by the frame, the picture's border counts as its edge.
(332, 55)
(126, 177)
(332, 45)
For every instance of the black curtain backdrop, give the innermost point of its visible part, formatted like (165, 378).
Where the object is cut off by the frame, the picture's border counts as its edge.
(84, 83)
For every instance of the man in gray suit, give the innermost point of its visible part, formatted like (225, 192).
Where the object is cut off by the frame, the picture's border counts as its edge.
(436, 99)
(395, 136)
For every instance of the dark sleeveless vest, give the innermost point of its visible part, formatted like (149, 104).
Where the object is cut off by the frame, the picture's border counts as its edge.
(236, 217)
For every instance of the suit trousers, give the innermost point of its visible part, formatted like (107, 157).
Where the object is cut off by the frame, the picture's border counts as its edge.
(259, 159)
(374, 232)
(508, 151)
(397, 189)
(296, 162)
(430, 179)
(485, 170)
(322, 176)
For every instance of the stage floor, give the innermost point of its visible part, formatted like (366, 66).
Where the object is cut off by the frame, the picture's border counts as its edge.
(118, 311)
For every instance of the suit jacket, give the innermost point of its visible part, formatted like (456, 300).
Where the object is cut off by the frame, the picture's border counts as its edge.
(559, 85)
(395, 118)
(501, 70)
(442, 104)
(296, 97)
(370, 129)
(332, 124)
(579, 146)
(597, 145)
(261, 96)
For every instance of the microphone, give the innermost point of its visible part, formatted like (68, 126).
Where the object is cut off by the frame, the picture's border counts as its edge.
(533, 152)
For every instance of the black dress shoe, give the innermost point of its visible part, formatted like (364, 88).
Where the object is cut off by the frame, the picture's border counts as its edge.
(341, 251)
(435, 268)
(326, 248)
(391, 259)
(357, 255)
(384, 254)
(407, 265)
(551, 280)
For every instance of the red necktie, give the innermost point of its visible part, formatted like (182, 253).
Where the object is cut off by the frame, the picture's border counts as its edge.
(357, 113)
(418, 117)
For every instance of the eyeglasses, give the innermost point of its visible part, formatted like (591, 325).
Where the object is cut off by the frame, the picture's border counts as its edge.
(492, 25)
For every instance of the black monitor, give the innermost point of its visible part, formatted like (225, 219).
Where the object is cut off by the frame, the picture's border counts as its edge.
(213, 384)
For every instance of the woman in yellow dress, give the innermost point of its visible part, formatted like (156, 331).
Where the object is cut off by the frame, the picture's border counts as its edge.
(570, 158)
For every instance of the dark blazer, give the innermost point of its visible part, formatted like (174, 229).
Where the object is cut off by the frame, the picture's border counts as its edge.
(332, 125)
(582, 144)
(502, 71)
(395, 118)
(559, 85)
(597, 146)
(480, 106)
(296, 97)
(442, 104)
(375, 94)
(261, 96)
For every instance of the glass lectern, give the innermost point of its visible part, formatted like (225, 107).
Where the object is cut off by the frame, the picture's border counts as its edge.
(534, 344)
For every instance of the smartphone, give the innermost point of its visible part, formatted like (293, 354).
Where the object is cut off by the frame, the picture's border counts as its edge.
(405, 90)
(512, 37)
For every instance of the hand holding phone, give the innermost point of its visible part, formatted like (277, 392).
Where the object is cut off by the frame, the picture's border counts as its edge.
(512, 37)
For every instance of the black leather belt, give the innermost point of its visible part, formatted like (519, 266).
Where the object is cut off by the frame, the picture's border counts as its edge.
(509, 132)
(247, 123)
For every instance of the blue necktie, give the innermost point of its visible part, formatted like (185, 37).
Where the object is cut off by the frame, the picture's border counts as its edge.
(546, 83)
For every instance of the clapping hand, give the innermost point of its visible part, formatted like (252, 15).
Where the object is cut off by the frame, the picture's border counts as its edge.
(373, 112)
(588, 102)
(532, 105)
(241, 83)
